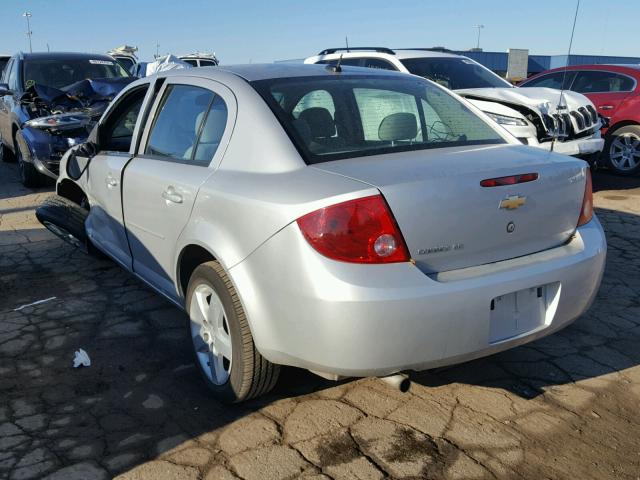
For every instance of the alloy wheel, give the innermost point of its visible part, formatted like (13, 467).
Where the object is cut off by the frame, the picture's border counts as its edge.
(210, 334)
(624, 152)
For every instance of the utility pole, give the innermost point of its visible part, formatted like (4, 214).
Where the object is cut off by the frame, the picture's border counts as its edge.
(28, 15)
(479, 27)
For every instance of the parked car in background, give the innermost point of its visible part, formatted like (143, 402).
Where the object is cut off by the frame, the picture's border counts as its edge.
(535, 117)
(126, 55)
(4, 59)
(352, 222)
(48, 103)
(615, 91)
(200, 59)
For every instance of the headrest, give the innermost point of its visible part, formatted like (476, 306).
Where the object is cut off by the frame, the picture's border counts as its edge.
(320, 122)
(398, 126)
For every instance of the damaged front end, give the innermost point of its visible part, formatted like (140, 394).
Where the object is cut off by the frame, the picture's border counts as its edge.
(63, 118)
(565, 122)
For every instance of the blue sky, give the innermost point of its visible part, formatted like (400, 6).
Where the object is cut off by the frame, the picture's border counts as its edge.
(243, 31)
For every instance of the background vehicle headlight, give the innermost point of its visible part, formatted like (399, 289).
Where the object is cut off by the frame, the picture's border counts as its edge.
(505, 120)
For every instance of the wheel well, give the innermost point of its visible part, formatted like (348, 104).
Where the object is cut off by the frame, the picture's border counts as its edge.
(190, 258)
(68, 189)
(14, 130)
(624, 123)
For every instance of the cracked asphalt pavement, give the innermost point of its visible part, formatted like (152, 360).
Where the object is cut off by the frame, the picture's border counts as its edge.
(562, 407)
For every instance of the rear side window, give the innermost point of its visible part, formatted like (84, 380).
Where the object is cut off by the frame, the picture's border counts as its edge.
(188, 126)
(190, 62)
(552, 80)
(334, 117)
(594, 81)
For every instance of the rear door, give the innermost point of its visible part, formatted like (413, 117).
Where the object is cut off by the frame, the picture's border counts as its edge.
(183, 143)
(105, 225)
(607, 90)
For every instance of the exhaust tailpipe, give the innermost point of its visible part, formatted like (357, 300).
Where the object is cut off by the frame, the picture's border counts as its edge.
(400, 381)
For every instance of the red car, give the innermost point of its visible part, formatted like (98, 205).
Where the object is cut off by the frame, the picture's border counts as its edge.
(614, 90)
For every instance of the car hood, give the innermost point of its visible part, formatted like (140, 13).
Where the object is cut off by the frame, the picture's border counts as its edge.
(542, 100)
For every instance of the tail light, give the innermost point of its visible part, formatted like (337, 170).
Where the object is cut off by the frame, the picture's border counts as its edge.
(586, 213)
(357, 231)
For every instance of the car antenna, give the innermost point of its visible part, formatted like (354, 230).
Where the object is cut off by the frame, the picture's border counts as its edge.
(337, 68)
(346, 41)
(564, 73)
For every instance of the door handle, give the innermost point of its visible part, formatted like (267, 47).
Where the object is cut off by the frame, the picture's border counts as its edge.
(170, 195)
(606, 107)
(111, 182)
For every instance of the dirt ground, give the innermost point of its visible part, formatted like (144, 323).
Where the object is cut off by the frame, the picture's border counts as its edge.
(562, 407)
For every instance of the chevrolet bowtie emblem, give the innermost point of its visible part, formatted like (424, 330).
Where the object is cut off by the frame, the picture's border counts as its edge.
(513, 202)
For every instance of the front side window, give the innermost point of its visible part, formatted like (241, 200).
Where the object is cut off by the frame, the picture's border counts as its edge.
(369, 115)
(454, 73)
(557, 80)
(117, 131)
(593, 81)
(188, 126)
(58, 73)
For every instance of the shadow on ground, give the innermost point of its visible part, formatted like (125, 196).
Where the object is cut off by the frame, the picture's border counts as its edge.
(142, 396)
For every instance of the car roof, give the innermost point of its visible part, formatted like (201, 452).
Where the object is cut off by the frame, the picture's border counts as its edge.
(64, 55)
(614, 67)
(268, 71)
(399, 53)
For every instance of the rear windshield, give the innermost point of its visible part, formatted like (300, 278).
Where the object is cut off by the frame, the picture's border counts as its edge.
(454, 73)
(335, 117)
(59, 73)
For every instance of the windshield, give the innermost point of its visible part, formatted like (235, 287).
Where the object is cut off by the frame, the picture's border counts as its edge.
(58, 73)
(334, 117)
(455, 73)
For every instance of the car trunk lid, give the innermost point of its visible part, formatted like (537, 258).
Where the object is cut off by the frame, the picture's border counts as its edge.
(449, 221)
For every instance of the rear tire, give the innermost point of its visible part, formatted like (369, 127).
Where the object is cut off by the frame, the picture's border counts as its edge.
(65, 219)
(246, 374)
(622, 150)
(29, 175)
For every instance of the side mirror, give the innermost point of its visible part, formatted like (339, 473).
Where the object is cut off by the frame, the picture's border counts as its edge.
(79, 159)
(4, 90)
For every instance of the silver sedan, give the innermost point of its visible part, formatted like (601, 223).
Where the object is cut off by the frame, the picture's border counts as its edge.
(348, 221)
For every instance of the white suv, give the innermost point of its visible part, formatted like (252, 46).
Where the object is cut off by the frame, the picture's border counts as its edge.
(536, 116)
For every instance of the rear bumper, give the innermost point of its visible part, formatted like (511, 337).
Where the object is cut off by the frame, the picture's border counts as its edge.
(364, 320)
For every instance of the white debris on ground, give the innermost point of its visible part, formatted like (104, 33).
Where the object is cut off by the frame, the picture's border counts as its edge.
(81, 359)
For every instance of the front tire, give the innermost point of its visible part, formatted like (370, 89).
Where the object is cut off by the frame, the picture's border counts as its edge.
(29, 176)
(65, 219)
(223, 347)
(622, 150)
(5, 154)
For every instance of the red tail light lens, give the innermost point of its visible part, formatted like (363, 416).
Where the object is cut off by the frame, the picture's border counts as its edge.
(357, 231)
(510, 180)
(586, 213)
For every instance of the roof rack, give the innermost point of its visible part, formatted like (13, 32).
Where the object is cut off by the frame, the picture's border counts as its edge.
(431, 49)
(329, 51)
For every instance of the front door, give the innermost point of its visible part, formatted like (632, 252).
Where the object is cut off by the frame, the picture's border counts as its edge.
(105, 223)
(179, 151)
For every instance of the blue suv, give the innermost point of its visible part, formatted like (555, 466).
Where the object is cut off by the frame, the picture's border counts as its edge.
(48, 103)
